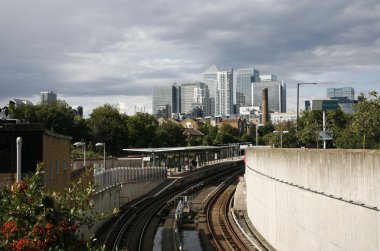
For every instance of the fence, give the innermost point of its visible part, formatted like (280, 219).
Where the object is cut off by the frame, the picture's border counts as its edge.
(123, 175)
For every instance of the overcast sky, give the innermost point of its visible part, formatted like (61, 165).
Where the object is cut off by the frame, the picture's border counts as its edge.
(96, 52)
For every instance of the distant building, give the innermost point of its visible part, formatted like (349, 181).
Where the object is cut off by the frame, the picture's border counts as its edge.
(245, 78)
(238, 123)
(166, 100)
(195, 99)
(192, 123)
(48, 97)
(220, 84)
(276, 95)
(18, 103)
(283, 117)
(346, 105)
(345, 92)
(248, 110)
(345, 97)
(268, 78)
(78, 110)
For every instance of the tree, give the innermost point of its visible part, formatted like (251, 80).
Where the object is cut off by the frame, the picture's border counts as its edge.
(142, 130)
(108, 126)
(268, 128)
(210, 133)
(224, 138)
(32, 218)
(337, 122)
(228, 129)
(348, 139)
(366, 121)
(289, 139)
(58, 117)
(170, 135)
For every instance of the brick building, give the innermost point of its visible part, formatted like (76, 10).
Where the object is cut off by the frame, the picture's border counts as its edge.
(38, 145)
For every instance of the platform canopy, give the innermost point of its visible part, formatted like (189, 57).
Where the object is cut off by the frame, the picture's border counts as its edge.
(177, 149)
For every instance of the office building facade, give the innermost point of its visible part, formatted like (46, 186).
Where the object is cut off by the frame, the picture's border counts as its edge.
(195, 99)
(166, 100)
(276, 95)
(220, 84)
(244, 80)
(48, 97)
(345, 92)
(345, 97)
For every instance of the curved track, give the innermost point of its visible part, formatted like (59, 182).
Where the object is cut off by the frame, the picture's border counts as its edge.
(221, 225)
(130, 232)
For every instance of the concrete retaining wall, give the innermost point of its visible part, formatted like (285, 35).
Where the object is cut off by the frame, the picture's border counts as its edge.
(303, 199)
(117, 196)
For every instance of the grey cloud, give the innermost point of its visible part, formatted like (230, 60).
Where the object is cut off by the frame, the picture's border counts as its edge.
(96, 47)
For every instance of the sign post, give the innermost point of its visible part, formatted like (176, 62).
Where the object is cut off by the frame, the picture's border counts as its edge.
(324, 105)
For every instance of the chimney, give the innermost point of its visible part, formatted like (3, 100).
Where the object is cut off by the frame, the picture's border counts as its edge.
(265, 106)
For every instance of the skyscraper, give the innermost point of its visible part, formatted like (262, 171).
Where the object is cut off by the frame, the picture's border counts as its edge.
(220, 84)
(166, 98)
(48, 97)
(194, 96)
(245, 78)
(345, 97)
(276, 95)
(345, 92)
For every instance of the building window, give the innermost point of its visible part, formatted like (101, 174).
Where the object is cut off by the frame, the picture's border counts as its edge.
(57, 166)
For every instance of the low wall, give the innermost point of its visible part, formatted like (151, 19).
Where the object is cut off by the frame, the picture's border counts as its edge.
(117, 196)
(309, 199)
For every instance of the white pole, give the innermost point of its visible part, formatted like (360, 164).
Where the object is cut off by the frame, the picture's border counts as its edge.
(324, 128)
(104, 156)
(19, 147)
(256, 136)
(84, 155)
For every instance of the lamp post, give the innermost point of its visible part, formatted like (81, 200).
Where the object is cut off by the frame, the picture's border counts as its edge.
(281, 133)
(104, 153)
(298, 98)
(83, 145)
(257, 127)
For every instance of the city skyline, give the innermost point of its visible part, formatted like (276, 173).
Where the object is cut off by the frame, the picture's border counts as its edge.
(92, 53)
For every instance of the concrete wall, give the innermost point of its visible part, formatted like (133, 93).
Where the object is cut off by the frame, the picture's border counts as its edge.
(117, 196)
(303, 199)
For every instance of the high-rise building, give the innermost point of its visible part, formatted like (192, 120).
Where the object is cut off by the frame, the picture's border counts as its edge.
(194, 98)
(245, 78)
(220, 84)
(345, 97)
(276, 95)
(345, 92)
(268, 77)
(166, 98)
(48, 97)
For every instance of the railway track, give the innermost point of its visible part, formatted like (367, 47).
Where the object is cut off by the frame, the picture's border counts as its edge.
(221, 225)
(130, 230)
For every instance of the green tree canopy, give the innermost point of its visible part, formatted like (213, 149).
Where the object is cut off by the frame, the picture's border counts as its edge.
(170, 135)
(108, 126)
(366, 121)
(142, 130)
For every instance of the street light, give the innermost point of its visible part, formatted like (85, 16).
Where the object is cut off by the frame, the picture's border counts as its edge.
(257, 127)
(83, 145)
(281, 133)
(298, 98)
(104, 153)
